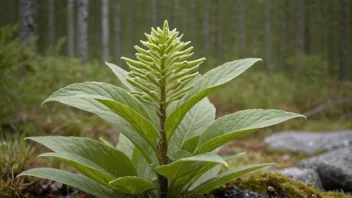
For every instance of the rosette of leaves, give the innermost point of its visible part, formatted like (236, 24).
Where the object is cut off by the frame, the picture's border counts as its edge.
(167, 125)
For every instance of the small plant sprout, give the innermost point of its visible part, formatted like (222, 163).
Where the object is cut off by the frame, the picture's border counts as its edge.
(169, 133)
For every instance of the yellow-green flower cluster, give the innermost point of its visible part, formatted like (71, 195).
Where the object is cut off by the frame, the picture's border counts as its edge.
(162, 73)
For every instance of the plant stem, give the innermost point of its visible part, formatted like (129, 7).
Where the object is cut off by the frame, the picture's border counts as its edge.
(163, 140)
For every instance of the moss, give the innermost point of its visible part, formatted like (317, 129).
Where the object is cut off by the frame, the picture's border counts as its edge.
(281, 186)
(6, 191)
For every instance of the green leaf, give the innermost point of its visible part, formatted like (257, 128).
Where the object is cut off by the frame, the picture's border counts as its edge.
(229, 176)
(172, 170)
(144, 170)
(205, 85)
(137, 121)
(106, 142)
(238, 125)
(92, 158)
(131, 185)
(208, 172)
(180, 172)
(191, 144)
(179, 155)
(203, 175)
(121, 75)
(84, 166)
(98, 90)
(193, 124)
(82, 96)
(125, 146)
(75, 180)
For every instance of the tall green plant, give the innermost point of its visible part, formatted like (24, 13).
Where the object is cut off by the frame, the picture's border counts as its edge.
(168, 126)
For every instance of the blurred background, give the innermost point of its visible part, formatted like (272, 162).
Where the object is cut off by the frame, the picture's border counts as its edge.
(305, 45)
(48, 44)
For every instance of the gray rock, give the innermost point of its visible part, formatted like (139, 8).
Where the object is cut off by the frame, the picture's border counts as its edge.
(334, 168)
(235, 192)
(309, 142)
(306, 176)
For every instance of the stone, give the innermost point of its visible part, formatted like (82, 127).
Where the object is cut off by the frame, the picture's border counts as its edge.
(309, 142)
(334, 168)
(306, 176)
(235, 192)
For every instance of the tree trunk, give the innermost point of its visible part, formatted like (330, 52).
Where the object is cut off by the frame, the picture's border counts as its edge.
(70, 29)
(117, 29)
(27, 19)
(267, 37)
(82, 35)
(193, 21)
(129, 28)
(155, 13)
(344, 40)
(206, 26)
(300, 33)
(283, 40)
(176, 13)
(219, 43)
(105, 29)
(242, 27)
(51, 25)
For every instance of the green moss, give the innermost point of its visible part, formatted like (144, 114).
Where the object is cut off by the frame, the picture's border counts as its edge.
(282, 186)
(6, 191)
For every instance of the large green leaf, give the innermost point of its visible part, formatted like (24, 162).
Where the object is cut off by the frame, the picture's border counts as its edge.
(84, 166)
(98, 90)
(74, 96)
(179, 155)
(205, 85)
(180, 172)
(131, 185)
(137, 121)
(75, 180)
(238, 125)
(204, 174)
(121, 74)
(144, 170)
(174, 169)
(208, 172)
(106, 142)
(193, 124)
(125, 146)
(229, 176)
(92, 158)
(191, 144)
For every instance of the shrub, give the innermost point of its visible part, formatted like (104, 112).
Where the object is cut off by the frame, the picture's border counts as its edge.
(13, 51)
(168, 126)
